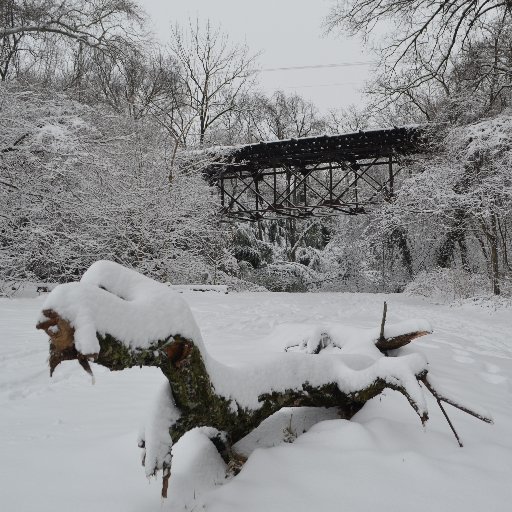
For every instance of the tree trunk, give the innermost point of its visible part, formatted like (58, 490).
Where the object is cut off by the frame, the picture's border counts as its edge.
(182, 363)
(493, 242)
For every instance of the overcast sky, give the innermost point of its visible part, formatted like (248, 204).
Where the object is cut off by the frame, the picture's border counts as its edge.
(288, 33)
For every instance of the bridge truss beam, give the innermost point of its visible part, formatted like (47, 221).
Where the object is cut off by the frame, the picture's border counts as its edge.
(312, 177)
(319, 191)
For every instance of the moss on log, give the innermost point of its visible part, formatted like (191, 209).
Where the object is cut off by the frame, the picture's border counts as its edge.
(182, 364)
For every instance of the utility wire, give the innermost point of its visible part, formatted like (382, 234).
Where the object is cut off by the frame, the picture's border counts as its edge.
(334, 84)
(321, 66)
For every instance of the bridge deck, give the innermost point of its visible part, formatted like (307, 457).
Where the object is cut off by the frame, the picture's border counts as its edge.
(316, 150)
(311, 176)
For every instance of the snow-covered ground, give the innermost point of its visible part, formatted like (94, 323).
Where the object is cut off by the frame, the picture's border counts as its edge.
(67, 445)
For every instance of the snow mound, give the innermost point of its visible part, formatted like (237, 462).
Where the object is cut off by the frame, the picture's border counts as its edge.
(197, 468)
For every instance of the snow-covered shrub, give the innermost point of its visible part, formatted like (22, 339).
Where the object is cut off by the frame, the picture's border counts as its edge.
(446, 285)
(309, 257)
(347, 263)
(458, 200)
(81, 184)
(246, 247)
(285, 277)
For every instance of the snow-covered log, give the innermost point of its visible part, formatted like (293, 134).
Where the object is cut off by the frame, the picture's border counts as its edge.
(120, 319)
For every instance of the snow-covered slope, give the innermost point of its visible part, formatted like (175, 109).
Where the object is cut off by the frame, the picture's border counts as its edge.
(67, 445)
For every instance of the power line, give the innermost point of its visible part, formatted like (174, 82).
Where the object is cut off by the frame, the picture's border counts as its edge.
(321, 66)
(334, 84)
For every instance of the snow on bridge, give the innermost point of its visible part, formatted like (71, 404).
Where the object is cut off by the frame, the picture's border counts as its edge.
(312, 176)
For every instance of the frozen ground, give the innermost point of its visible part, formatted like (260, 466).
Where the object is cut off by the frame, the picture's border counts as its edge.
(67, 445)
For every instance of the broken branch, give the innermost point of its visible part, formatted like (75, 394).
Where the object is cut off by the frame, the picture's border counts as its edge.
(447, 400)
(440, 398)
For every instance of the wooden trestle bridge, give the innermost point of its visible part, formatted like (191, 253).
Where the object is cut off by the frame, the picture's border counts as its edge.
(312, 176)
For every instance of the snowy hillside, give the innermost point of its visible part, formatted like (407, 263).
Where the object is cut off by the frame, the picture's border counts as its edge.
(68, 445)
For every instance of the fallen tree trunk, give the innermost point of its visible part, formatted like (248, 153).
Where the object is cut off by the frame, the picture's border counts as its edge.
(181, 361)
(107, 316)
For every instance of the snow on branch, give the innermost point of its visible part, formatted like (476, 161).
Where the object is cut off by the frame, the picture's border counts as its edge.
(104, 24)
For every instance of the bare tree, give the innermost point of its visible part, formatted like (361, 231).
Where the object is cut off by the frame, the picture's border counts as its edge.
(476, 84)
(9, 45)
(98, 180)
(96, 23)
(433, 29)
(214, 72)
(291, 115)
(106, 25)
(281, 116)
(350, 119)
(133, 82)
